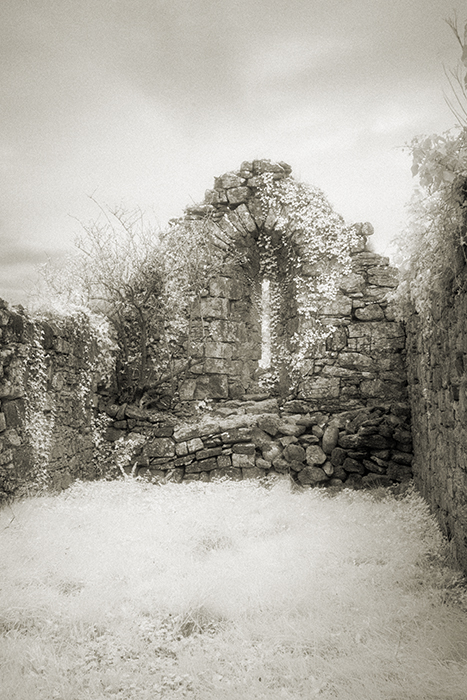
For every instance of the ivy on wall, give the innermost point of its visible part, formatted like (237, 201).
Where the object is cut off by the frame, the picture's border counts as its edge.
(304, 256)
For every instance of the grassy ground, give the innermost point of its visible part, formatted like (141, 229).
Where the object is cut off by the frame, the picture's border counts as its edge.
(129, 591)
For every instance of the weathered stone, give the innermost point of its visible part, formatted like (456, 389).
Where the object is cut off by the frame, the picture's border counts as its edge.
(244, 448)
(203, 465)
(112, 435)
(315, 455)
(294, 453)
(218, 350)
(224, 461)
(320, 387)
(338, 456)
(312, 475)
(330, 438)
(245, 461)
(160, 447)
(260, 407)
(382, 277)
(260, 438)
(341, 306)
(352, 283)
(351, 465)
(372, 312)
(2, 422)
(209, 452)
(215, 386)
(235, 195)
(288, 428)
(372, 466)
(215, 307)
(230, 180)
(349, 442)
(194, 445)
(271, 452)
(269, 424)
(236, 435)
(281, 465)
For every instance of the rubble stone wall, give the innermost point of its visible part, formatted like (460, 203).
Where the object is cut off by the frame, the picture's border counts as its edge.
(257, 436)
(437, 372)
(46, 402)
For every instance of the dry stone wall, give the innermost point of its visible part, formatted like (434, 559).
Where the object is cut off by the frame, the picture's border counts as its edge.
(47, 394)
(257, 436)
(437, 372)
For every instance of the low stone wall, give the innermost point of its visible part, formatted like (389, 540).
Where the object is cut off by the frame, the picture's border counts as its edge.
(47, 395)
(255, 438)
(437, 372)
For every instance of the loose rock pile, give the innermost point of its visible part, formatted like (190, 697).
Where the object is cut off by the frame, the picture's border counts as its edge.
(256, 438)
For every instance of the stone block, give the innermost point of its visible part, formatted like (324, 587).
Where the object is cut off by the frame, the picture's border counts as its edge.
(271, 452)
(224, 461)
(14, 413)
(312, 475)
(372, 312)
(244, 448)
(2, 422)
(218, 350)
(382, 276)
(215, 386)
(187, 390)
(160, 447)
(294, 453)
(203, 465)
(244, 461)
(315, 455)
(227, 331)
(194, 445)
(341, 306)
(317, 388)
(330, 438)
(230, 180)
(216, 365)
(269, 424)
(235, 195)
(215, 307)
(206, 453)
(353, 466)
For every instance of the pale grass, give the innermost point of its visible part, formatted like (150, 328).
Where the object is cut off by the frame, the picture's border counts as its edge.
(228, 590)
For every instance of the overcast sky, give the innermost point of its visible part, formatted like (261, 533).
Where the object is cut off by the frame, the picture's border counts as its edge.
(144, 102)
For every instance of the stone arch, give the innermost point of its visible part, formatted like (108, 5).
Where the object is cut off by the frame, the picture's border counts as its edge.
(243, 216)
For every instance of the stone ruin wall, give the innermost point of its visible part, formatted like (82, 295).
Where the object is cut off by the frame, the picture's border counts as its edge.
(437, 373)
(46, 402)
(349, 423)
(360, 363)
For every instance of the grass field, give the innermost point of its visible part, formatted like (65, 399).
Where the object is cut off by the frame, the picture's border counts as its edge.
(228, 590)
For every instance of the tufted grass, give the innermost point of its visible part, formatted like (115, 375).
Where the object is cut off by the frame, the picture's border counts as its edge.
(227, 590)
